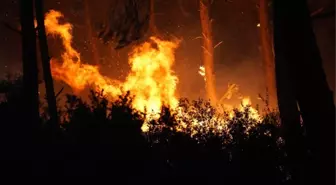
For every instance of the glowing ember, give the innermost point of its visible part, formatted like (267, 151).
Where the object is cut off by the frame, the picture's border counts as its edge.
(202, 72)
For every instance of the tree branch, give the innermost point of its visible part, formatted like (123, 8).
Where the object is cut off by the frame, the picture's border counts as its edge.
(59, 92)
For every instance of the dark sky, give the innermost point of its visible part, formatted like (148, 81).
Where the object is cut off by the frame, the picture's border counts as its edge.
(237, 59)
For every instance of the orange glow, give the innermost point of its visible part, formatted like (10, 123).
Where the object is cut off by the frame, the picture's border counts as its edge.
(151, 80)
(202, 72)
(71, 70)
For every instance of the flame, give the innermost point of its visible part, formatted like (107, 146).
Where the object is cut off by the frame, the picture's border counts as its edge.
(202, 72)
(253, 113)
(151, 80)
(71, 70)
(233, 89)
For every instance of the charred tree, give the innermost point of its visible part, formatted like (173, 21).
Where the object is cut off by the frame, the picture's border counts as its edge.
(48, 81)
(93, 44)
(208, 51)
(29, 60)
(267, 54)
(296, 46)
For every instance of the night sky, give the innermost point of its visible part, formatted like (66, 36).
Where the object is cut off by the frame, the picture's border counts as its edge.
(237, 59)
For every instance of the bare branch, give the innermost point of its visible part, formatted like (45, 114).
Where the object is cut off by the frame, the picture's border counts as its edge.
(218, 44)
(59, 92)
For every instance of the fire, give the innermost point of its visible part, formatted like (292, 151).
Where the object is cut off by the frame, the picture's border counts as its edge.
(151, 81)
(71, 70)
(202, 72)
(151, 78)
(233, 89)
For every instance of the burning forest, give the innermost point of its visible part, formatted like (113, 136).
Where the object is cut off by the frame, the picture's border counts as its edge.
(151, 81)
(148, 93)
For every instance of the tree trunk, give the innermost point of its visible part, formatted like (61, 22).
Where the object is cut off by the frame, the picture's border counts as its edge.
(267, 54)
(301, 54)
(92, 40)
(287, 103)
(208, 51)
(29, 59)
(48, 81)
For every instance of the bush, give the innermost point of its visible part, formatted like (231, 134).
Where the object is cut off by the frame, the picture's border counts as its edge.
(105, 138)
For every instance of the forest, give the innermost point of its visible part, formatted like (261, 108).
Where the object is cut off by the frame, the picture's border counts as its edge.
(139, 130)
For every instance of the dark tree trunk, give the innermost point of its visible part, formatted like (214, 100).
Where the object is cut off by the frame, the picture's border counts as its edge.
(48, 81)
(295, 38)
(29, 59)
(27, 122)
(287, 104)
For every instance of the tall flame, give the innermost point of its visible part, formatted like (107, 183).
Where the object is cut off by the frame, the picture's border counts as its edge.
(151, 80)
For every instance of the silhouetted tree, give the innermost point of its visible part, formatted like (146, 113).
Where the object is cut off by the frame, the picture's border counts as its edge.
(287, 103)
(30, 73)
(296, 50)
(49, 85)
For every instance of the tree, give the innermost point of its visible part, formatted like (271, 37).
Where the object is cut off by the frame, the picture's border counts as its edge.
(267, 54)
(208, 50)
(287, 103)
(51, 99)
(29, 60)
(296, 48)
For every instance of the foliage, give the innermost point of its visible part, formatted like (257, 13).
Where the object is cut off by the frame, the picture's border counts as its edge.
(105, 138)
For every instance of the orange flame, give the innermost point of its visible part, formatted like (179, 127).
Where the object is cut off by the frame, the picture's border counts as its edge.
(202, 72)
(71, 70)
(151, 80)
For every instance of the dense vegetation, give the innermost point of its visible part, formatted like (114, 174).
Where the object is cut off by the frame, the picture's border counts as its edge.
(105, 138)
